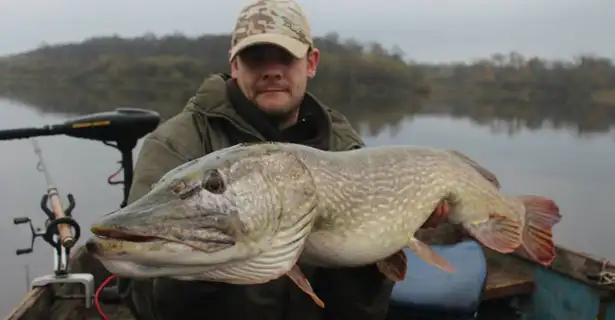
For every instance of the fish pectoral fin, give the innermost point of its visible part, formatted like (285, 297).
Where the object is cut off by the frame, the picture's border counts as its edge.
(302, 282)
(499, 233)
(427, 253)
(394, 267)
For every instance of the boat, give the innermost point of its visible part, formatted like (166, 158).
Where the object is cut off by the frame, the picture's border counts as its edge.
(487, 284)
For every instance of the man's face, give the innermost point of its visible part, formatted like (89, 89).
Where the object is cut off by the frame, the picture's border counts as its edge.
(272, 78)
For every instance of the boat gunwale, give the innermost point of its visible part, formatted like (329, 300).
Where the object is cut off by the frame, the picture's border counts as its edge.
(569, 263)
(578, 266)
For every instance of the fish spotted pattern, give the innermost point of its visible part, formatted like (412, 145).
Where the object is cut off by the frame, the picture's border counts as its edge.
(248, 213)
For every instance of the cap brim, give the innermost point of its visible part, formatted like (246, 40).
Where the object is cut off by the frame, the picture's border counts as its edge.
(295, 47)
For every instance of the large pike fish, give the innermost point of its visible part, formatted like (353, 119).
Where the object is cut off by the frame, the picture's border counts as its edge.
(248, 213)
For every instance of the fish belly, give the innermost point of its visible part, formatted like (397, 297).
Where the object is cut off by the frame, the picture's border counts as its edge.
(278, 255)
(330, 249)
(263, 268)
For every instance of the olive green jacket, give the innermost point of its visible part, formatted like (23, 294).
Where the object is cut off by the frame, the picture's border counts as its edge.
(195, 131)
(204, 125)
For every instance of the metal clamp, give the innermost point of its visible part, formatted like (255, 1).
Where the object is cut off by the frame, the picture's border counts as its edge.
(86, 279)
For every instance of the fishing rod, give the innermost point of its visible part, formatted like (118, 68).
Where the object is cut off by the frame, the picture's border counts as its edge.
(60, 221)
(121, 128)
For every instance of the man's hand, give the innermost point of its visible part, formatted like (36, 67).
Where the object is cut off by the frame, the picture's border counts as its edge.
(439, 215)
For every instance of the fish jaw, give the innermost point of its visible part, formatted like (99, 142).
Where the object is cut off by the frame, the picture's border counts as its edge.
(144, 257)
(162, 251)
(174, 233)
(131, 269)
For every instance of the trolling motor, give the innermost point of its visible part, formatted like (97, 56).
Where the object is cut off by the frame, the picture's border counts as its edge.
(121, 128)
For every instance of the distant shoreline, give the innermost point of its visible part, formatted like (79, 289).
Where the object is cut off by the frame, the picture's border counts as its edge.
(360, 80)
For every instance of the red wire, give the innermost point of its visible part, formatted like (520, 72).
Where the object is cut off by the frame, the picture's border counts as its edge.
(97, 296)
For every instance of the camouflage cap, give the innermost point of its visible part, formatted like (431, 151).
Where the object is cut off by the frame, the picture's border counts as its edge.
(278, 22)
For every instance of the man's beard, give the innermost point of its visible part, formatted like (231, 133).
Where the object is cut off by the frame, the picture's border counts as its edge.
(280, 116)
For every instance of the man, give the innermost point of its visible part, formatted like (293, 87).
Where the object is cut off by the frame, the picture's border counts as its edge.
(272, 56)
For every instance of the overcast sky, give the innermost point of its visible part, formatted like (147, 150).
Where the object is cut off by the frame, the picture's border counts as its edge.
(426, 30)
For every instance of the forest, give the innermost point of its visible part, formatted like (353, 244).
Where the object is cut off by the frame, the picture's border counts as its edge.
(178, 64)
(164, 71)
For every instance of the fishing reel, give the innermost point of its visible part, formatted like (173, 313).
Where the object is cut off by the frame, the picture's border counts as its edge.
(51, 233)
(58, 234)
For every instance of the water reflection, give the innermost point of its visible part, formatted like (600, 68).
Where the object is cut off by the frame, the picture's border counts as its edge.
(505, 116)
(558, 157)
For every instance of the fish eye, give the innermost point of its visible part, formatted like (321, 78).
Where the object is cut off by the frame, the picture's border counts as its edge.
(214, 182)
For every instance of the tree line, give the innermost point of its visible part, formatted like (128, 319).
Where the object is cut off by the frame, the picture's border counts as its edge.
(175, 65)
(359, 78)
(529, 91)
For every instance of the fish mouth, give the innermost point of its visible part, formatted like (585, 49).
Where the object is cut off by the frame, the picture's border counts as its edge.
(110, 233)
(121, 235)
(155, 253)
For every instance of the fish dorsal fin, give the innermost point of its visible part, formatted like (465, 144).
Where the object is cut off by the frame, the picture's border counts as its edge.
(482, 170)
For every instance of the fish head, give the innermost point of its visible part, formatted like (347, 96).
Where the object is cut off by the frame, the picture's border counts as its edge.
(224, 207)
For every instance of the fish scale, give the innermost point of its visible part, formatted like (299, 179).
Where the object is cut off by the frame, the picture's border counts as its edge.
(380, 209)
(279, 254)
(248, 213)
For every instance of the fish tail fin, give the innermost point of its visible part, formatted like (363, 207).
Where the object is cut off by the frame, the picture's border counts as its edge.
(490, 176)
(541, 214)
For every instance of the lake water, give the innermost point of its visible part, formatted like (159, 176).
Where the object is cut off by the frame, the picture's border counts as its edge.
(577, 172)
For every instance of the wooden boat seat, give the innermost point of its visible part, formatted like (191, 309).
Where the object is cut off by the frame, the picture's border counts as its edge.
(507, 276)
(428, 289)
